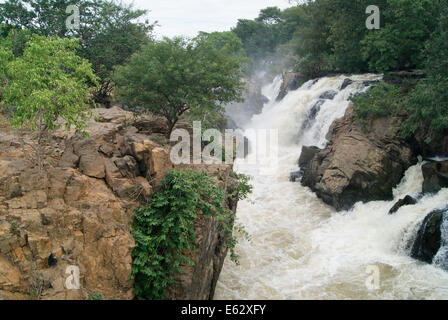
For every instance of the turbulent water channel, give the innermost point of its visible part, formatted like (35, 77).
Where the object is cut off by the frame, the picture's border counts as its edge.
(301, 248)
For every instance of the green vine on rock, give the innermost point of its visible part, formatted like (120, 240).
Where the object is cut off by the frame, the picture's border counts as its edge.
(164, 230)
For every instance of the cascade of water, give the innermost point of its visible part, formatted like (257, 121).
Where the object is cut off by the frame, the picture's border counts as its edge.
(303, 249)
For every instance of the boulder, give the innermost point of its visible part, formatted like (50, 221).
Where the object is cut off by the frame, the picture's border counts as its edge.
(307, 154)
(346, 83)
(161, 163)
(295, 176)
(406, 201)
(328, 95)
(291, 81)
(91, 163)
(311, 114)
(357, 164)
(428, 240)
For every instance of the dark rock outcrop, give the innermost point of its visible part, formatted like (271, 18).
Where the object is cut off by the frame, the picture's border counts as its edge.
(291, 81)
(311, 114)
(346, 83)
(406, 201)
(435, 176)
(400, 76)
(428, 240)
(328, 95)
(358, 165)
(308, 153)
(295, 176)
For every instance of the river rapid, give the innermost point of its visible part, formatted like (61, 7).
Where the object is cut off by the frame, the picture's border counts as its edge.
(300, 248)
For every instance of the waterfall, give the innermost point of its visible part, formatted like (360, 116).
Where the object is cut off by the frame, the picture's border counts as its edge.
(300, 248)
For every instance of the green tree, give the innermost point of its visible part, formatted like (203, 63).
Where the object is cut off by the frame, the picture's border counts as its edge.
(49, 81)
(6, 55)
(263, 35)
(312, 45)
(427, 104)
(227, 42)
(270, 15)
(109, 32)
(174, 77)
(399, 43)
(117, 32)
(347, 30)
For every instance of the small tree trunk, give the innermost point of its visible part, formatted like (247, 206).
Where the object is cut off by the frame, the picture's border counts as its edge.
(171, 124)
(39, 149)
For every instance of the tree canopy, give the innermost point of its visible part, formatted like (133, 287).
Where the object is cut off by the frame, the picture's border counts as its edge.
(181, 76)
(109, 32)
(48, 81)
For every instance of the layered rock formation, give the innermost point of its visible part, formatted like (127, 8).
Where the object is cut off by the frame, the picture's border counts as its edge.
(78, 212)
(360, 162)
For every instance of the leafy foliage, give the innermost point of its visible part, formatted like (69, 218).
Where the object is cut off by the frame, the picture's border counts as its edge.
(427, 104)
(180, 77)
(330, 35)
(382, 100)
(109, 32)
(398, 44)
(47, 82)
(96, 296)
(164, 231)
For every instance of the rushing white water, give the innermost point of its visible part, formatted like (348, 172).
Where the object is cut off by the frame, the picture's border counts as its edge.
(301, 248)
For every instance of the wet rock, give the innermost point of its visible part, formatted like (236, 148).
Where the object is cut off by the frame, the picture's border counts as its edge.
(308, 153)
(370, 83)
(328, 95)
(291, 81)
(295, 176)
(428, 240)
(435, 176)
(406, 201)
(358, 165)
(346, 83)
(311, 114)
(400, 76)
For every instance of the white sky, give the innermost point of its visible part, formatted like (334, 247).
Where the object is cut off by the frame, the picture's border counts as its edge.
(188, 17)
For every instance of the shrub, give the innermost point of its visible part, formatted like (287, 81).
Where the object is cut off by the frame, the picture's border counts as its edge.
(381, 100)
(164, 230)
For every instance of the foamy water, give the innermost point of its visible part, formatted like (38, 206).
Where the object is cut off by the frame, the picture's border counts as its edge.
(301, 248)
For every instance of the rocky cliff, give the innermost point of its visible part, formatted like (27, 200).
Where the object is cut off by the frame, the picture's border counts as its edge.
(361, 162)
(78, 212)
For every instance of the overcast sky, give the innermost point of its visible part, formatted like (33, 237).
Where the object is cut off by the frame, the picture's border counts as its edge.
(188, 17)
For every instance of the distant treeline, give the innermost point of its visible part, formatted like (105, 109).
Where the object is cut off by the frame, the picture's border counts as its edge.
(324, 36)
(319, 36)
